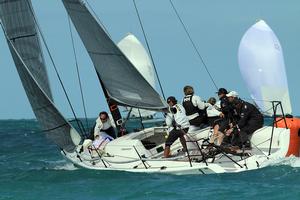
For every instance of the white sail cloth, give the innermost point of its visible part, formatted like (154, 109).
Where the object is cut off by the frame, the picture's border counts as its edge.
(138, 56)
(262, 67)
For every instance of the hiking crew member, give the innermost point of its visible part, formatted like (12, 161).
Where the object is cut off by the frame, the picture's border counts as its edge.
(221, 124)
(104, 124)
(212, 111)
(178, 124)
(195, 108)
(250, 120)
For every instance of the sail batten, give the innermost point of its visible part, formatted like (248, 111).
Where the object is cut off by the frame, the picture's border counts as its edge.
(262, 66)
(29, 61)
(16, 17)
(124, 84)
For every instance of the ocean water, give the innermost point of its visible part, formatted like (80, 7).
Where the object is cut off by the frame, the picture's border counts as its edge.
(31, 167)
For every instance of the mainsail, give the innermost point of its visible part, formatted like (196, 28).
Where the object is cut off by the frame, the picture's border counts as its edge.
(22, 38)
(19, 24)
(262, 67)
(124, 84)
(138, 56)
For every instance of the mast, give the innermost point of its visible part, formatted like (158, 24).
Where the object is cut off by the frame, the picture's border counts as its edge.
(121, 82)
(114, 110)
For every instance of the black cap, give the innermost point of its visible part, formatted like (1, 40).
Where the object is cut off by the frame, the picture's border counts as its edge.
(222, 91)
(171, 98)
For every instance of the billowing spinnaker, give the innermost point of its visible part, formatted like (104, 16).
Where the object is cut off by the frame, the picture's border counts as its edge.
(262, 67)
(138, 56)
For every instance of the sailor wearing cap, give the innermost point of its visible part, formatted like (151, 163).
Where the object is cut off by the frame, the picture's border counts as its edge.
(249, 120)
(222, 124)
(178, 124)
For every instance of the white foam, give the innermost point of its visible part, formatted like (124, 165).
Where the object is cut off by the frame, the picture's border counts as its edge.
(61, 165)
(66, 166)
(289, 161)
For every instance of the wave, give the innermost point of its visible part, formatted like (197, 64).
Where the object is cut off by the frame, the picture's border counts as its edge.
(60, 165)
(291, 161)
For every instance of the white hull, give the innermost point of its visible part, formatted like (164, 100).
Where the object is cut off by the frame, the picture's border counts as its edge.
(128, 153)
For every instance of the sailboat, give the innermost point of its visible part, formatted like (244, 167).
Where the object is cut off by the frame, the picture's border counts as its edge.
(122, 85)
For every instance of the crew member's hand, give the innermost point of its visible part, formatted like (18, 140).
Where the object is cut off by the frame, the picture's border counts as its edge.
(229, 132)
(173, 110)
(221, 115)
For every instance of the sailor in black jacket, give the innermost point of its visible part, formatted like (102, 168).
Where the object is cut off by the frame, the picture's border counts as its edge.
(250, 120)
(227, 109)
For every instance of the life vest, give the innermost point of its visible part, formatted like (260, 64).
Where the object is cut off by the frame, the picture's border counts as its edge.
(195, 115)
(188, 105)
(294, 125)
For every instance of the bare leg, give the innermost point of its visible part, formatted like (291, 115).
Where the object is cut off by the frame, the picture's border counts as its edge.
(167, 152)
(215, 134)
(220, 138)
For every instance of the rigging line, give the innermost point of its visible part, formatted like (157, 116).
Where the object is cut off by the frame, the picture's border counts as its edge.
(141, 118)
(148, 47)
(78, 75)
(196, 49)
(55, 68)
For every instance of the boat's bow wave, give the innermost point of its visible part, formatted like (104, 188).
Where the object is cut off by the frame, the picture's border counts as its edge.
(291, 161)
(64, 167)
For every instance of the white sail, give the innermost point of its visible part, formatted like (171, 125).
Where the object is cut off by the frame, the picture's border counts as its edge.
(262, 67)
(138, 56)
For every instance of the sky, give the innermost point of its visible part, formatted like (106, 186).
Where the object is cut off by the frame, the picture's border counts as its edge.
(216, 28)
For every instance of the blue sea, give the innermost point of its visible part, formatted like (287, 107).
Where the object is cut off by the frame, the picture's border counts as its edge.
(31, 167)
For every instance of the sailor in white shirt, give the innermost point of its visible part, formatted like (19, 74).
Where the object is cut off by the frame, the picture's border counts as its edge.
(178, 124)
(105, 124)
(212, 111)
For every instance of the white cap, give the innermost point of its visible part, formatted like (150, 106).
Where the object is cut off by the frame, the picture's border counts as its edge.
(232, 94)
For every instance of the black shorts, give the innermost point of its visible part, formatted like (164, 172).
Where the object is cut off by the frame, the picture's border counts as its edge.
(110, 131)
(213, 120)
(197, 121)
(174, 135)
(223, 123)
